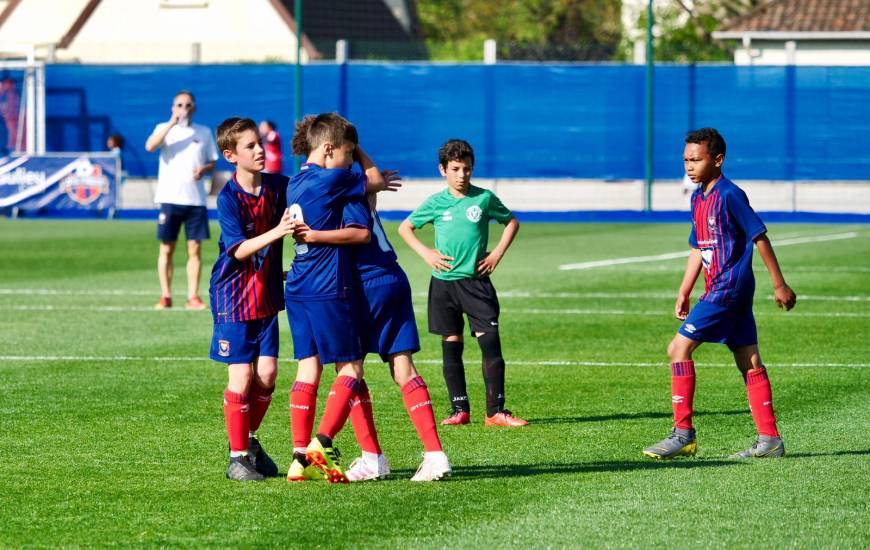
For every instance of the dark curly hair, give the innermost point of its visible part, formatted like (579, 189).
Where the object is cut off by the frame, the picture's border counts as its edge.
(455, 149)
(714, 140)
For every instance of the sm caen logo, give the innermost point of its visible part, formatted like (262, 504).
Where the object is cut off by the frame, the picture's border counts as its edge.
(86, 183)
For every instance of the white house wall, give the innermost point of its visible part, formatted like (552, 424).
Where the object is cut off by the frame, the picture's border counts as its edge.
(145, 31)
(809, 52)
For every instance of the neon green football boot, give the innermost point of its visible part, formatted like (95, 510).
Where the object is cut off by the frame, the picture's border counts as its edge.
(301, 470)
(322, 455)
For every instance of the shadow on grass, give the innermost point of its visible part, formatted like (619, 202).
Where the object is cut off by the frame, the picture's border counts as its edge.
(626, 416)
(865, 452)
(496, 471)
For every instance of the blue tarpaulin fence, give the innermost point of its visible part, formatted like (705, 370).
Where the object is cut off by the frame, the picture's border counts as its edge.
(524, 120)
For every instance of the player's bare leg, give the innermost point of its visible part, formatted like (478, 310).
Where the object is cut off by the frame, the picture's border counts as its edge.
(768, 443)
(681, 441)
(194, 269)
(164, 274)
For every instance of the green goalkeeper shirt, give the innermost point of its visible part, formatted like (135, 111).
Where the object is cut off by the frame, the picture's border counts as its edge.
(461, 227)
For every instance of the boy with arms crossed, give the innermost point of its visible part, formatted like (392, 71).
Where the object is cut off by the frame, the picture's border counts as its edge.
(460, 279)
(724, 228)
(245, 293)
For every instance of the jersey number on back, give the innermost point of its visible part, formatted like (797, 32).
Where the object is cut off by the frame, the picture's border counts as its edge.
(296, 215)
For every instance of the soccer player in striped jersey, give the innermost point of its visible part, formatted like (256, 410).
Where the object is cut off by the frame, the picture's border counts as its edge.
(724, 230)
(246, 293)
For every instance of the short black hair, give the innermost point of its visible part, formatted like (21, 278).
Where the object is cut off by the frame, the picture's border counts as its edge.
(455, 149)
(714, 140)
(118, 139)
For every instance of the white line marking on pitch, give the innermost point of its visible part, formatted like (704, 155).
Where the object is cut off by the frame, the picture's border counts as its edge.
(685, 253)
(554, 363)
(667, 313)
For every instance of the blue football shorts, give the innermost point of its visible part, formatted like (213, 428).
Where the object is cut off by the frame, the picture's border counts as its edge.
(387, 323)
(328, 328)
(243, 342)
(194, 218)
(733, 326)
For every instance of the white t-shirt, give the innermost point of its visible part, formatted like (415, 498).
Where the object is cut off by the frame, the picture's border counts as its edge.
(184, 149)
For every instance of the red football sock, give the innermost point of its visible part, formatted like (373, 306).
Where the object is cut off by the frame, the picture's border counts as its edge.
(761, 401)
(341, 395)
(415, 394)
(683, 392)
(303, 406)
(260, 398)
(238, 420)
(363, 420)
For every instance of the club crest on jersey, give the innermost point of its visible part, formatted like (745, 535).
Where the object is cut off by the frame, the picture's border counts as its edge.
(447, 216)
(224, 348)
(473, 213)
(85, 183)
(711, 224)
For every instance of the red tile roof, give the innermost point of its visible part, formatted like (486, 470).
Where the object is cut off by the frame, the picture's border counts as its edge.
(805, 16)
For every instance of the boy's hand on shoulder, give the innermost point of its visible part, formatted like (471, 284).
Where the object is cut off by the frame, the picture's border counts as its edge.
(488, 264)
(437, 260)
(784, 297)
(681, 308)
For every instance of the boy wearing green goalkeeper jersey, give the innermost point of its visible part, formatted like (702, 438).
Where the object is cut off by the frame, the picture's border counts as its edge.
(460, 282)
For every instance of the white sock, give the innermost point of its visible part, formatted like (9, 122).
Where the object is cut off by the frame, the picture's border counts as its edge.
(234, 454)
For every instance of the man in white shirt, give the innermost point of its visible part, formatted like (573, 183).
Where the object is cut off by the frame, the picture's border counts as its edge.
(187, 153)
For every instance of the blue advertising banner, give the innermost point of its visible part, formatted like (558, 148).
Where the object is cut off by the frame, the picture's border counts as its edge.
(65, 181)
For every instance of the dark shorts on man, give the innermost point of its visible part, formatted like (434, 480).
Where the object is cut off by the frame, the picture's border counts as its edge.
(172, 216)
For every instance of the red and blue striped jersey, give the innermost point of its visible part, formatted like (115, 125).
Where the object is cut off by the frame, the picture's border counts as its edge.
(317, 196)
(724, 227)
(376, 257)
(250, 289)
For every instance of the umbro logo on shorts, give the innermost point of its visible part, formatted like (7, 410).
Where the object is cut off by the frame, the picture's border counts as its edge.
(690, 328)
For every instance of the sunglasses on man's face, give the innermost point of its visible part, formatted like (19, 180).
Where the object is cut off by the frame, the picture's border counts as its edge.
(188, 105)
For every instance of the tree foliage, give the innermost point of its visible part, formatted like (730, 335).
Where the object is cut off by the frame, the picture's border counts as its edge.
(684, 29)
(459, 27)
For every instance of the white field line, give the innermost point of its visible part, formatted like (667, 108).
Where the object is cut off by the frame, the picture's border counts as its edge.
(527, 311)
(554, 363)
(660, 313)
(685, 253)
(518, 294)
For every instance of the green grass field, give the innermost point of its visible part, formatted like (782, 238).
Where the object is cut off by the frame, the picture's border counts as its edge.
(112, 431)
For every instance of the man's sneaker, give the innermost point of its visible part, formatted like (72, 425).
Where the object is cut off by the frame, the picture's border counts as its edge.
(261, 461)
(195, 304)
(457, 417)
(765, 446)
(241, 469)
(679, 443)
(164, 303)
(435, 466)
(504, 418)
(365, 470)
(325, 459)
(301, 470)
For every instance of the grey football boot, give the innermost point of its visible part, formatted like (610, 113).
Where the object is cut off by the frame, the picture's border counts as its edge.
(241, 469)
(765, 446)
(680, 442)
(262, 462)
